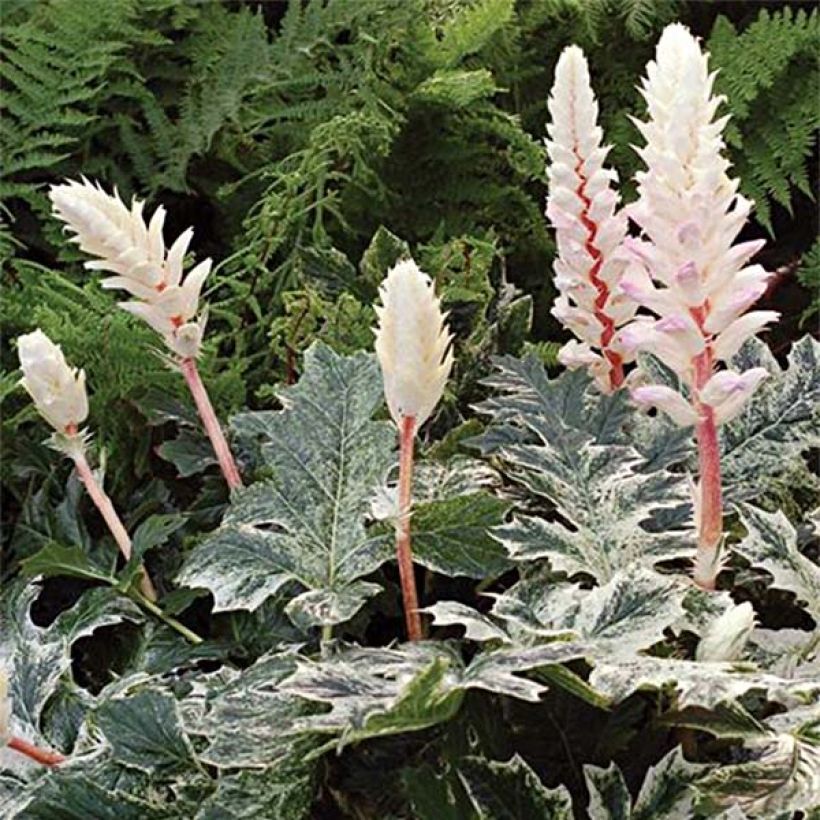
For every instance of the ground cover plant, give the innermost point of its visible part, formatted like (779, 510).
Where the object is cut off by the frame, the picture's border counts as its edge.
(476, 476)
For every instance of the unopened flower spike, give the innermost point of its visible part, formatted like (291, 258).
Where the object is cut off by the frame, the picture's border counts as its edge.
(413, 348)
(583, 208)
(135, 252)
(688, 272)
(17, 744)
(58, 392)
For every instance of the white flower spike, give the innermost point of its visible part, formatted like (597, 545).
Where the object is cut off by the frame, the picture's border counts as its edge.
(413, 348)
(135, 252)
(58, 391)
(582, 207)
(412, 344)
(688, 272)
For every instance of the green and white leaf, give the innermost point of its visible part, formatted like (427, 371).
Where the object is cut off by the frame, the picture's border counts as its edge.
(39, 658)
(771, 545)
(558, 439)
(326, 456)
(617, 620)
(780, 423)
(511, 791)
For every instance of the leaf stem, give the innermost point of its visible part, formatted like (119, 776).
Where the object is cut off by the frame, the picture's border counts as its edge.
(183, 630)
(407, 434)
(44, 756)
(211, 423)
(104, 505)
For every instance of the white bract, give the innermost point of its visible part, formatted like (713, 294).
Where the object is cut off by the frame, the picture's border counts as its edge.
(58, 391)
(412, 343)
(690, 275)
(727, 635)
(582, 207)
(135, 253)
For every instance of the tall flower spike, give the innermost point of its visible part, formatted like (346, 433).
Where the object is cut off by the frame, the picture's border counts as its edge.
(135, 252)
(413, 348)
(690, 275)
(582, 208)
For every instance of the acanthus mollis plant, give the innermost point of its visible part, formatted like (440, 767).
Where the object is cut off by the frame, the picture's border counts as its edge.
(684, 268)
(690, 273)
(135, 252)
(583, 208)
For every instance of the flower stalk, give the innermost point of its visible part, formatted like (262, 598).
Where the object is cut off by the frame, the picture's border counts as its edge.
(104, 504)
(211, 423)
(45, 757)
(404, 553)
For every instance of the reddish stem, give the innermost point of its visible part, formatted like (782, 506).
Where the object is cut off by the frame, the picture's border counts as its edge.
(616, 365)
(47, 758)
(407, 433)
(112, 520)
(211, 424)
(710, 524)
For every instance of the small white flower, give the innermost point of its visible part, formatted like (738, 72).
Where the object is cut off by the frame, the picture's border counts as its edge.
(58, 391)
(412, 343)
(125, 245)
(727, 635)
(5, 708)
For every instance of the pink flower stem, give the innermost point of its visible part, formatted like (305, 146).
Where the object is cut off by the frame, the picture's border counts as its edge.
(112, 520)
(43, 756)
(407, 436)
(211, 423)
(710, 523)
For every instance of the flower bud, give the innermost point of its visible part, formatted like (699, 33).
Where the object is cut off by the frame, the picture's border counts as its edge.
(412, 343)
(58, 391)
(727, 635)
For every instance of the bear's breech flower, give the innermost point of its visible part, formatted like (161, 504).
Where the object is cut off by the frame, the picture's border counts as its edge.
(689, 273)
(123, 243)
(583, 208)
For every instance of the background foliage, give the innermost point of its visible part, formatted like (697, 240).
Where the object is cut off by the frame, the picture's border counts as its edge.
(311, 144)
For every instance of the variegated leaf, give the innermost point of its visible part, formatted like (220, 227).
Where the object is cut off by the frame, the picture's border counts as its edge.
(511, 791)
(782, 770)
(771, 544)
(39, 658)
(305, 524)
(626, 615)
(562, 442)
(779, 423)
(377, 692)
